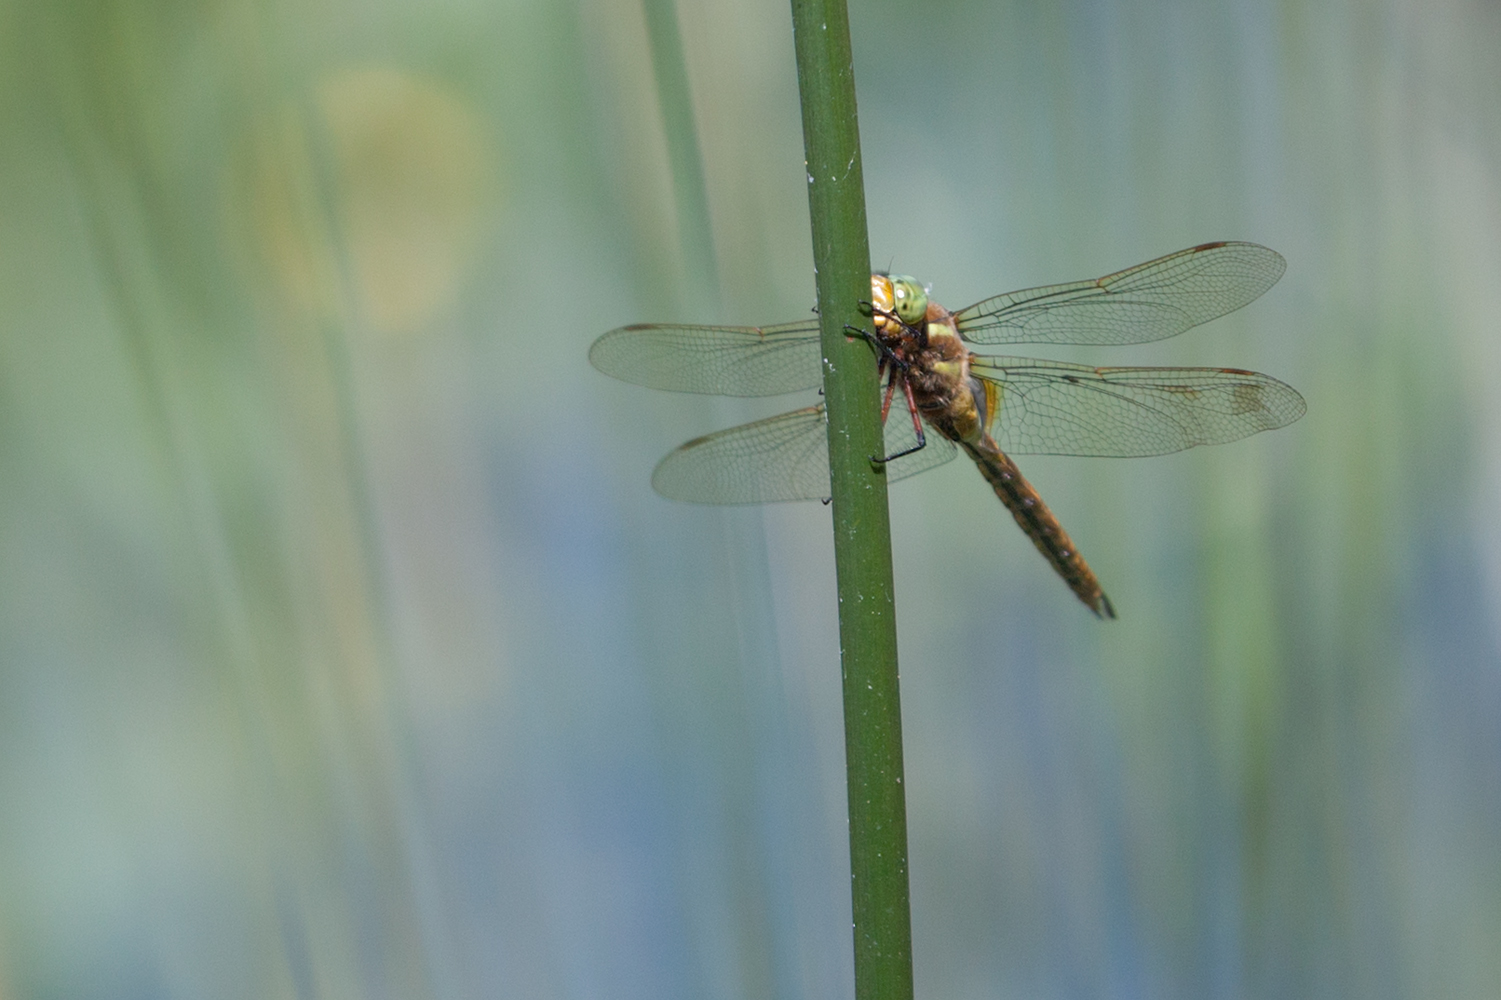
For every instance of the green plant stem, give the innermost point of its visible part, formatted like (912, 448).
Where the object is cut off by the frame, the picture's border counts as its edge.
(862, 527)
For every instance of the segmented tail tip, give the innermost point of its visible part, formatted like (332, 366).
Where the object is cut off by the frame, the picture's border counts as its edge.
(1103, 609)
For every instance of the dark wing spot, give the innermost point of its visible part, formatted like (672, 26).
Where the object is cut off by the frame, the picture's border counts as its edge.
(1247, 399)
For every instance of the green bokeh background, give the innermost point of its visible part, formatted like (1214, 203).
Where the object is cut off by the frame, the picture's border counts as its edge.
(345, 651)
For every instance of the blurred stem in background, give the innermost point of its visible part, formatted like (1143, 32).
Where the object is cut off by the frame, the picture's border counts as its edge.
(862, 525)
(692, 199)
(731, 699)
(301, 634)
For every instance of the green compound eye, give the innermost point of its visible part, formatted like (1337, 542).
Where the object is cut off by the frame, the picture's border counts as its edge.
(911, 299)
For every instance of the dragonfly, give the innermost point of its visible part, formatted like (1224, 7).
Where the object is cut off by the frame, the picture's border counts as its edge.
(989, 407)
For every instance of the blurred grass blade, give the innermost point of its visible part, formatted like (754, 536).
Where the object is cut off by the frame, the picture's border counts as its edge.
(691, 197)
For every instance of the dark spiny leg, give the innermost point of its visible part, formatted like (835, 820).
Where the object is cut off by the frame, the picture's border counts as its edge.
(883, 351)
(922, 439)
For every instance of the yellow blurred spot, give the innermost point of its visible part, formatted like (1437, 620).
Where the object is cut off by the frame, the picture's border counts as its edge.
(373, 210)
(413, 181)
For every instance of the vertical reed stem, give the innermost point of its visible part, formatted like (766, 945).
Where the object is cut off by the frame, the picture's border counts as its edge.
(862, 529)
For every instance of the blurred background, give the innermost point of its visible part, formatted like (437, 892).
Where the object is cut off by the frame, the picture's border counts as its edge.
(346, 652)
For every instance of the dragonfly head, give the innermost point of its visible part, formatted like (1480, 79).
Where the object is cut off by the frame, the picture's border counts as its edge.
(896, 293)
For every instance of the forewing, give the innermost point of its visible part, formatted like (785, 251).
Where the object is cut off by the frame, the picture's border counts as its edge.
(1150, 301)
(784, 457)
(720, 360)
(1053, 408)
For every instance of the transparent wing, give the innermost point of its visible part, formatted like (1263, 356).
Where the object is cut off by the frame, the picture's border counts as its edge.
(785, 457)
(720, 360)
(1053, 408)
(1150, 301)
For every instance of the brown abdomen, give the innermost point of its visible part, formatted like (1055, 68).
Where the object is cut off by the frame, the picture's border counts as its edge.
(1039, 523)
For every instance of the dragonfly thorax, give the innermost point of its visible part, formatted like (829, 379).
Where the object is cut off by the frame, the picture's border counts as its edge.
(900, 295)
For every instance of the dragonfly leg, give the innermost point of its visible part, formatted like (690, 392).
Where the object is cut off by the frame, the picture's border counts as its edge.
(922, 438)
(860, 333)
(886, 400)
(887, 355)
